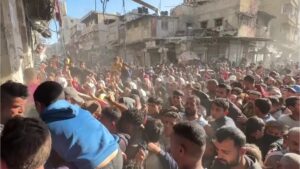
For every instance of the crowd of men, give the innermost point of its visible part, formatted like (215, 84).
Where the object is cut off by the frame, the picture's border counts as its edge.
(69, 116)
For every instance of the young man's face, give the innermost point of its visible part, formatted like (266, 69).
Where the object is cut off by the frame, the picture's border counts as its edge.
(293, 143)
(153, 109)
(227, 153)
(217, 112)
(295, 109)
(16, 107)
(211, 87)
(191, 106)
(221, 93)
(176, 100)
(168, 122)
(248, 85)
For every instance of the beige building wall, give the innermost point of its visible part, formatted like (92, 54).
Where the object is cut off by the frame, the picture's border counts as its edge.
(284, 26)
(15, 50)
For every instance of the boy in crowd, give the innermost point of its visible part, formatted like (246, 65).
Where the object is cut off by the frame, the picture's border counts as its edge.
(219, 109)
(69, 140)
(154, 106)
(169, 119)
(262, 108)
(13, 100)
(25, 143)
(177, 100)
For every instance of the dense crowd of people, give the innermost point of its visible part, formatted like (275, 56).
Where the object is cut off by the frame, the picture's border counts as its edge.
(178, 116)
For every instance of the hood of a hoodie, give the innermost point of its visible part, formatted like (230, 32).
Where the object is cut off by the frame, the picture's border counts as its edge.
(59, 110)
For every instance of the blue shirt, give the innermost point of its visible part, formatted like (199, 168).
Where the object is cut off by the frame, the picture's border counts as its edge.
(77, 137)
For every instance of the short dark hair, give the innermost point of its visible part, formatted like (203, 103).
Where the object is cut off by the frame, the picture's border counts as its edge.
(170, 114)
(25, 143)
(253, 124)
(178, 93)
(111, 113)
(153, 129)
(250, 79)
(236, 85)
(254, 92)
(225, 86)
(155, 100)
(264, 105)
(132, 116)
(48, 92)
(291, 101)
(237, 90)
(221, 102)
(191, 131)
(274, 100)
(11, 89)
(232, 133)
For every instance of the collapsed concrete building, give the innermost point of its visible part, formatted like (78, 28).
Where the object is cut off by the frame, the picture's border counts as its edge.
(208, 30)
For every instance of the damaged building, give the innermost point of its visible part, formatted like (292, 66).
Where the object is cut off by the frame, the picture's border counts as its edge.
(206, 30)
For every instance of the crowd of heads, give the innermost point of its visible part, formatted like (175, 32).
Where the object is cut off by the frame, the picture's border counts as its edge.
(166, 116)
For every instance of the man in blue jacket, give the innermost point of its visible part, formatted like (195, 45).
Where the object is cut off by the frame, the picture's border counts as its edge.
(78, 138)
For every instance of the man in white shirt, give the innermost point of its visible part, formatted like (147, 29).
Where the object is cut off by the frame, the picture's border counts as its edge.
(293, 119)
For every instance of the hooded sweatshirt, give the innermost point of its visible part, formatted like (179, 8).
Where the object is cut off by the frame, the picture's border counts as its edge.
(77, 137)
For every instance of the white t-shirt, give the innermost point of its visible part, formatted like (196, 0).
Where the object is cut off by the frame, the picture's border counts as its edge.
(287, 120)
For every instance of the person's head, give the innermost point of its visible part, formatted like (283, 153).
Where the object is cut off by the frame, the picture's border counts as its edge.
(293, 142)
(276, 104)
(289, 161)
(177, 98)
(249, 82)
(188, 143)
(46, 94)
(154, 105)
(293, 104)
(82, 65)
(259, 70)
(212, 85)
(137, 99)
(25, 143)
(262, 106)
(13, 100)
(237, 91)
(169, 119)
(230, 146)
(93, 107)
(252, 96)
(192, 105)
(219, 108)
(109, 118)
(131, 120)
(254, 151)
(153, 130)
(274, 91)
(223, 91)
(275, 128)
(254, 129)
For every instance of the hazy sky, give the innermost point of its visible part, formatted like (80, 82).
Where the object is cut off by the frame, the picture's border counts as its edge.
(79, 8)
